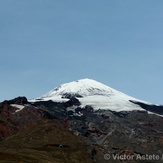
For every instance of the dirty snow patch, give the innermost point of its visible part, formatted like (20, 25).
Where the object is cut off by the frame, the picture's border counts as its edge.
(20, 107)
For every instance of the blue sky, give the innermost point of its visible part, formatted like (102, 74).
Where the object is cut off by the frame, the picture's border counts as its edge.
(44, 43)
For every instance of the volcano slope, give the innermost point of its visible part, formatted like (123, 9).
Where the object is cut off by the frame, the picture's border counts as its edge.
(95, 123)
(87, 135)
(44, 141)
(130, 133)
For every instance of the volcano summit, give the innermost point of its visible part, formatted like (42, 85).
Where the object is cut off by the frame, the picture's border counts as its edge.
(97, 95)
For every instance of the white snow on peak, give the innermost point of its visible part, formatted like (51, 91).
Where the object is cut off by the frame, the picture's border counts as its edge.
(83, 87)
(93, 93)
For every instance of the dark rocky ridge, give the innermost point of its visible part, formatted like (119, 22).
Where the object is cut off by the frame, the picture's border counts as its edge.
(18, 100)
(70, 95)
(158, 109)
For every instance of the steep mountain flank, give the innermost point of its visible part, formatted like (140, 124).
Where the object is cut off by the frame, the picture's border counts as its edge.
(82, 121)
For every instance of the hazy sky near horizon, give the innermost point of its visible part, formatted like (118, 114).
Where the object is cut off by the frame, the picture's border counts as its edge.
(45, 43)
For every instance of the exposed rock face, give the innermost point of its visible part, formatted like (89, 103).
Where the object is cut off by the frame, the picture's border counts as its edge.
(17, 100)
(69, 95)
(126, 132)
(158, 109)
(13, 118)
(72, 102)
(103, 131)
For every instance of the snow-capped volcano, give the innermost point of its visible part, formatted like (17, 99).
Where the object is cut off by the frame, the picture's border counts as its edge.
(83, 87)
(93, 93)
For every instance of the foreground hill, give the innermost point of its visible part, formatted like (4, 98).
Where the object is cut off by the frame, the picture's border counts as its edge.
(44, 142)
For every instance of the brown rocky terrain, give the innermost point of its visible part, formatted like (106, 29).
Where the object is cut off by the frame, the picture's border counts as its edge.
(35, 133)
(44, 141)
